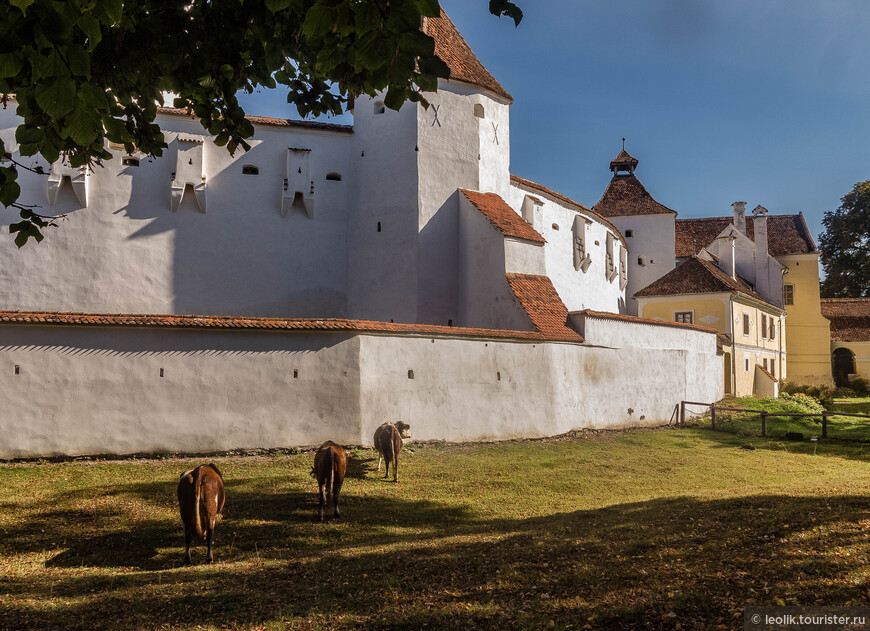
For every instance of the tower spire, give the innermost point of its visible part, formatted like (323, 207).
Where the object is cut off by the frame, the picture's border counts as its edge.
(623, 162)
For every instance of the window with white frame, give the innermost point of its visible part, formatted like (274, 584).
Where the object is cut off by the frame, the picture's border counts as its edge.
(686, 317)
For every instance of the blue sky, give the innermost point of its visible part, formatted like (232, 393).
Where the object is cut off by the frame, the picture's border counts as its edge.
(765, 102)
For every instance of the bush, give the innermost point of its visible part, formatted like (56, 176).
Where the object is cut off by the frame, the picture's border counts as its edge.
(823, 394)
(803, 401)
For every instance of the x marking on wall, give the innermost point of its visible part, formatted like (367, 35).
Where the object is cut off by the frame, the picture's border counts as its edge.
(435, 120)
(495, 133)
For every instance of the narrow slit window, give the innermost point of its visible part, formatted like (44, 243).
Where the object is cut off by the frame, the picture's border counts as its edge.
(746, 325)
(250, 169)
(333, 177)
(130, 161)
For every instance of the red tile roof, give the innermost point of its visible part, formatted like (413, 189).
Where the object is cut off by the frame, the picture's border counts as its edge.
(543, 305)
(850, 318)
(786, 234)
(627, 197)
(697, 276)
(457, 54)
(623, 159)
(268, 120)
(766, 372)
(281, 324)
(603, 315)
(502, 216)
(522, 182)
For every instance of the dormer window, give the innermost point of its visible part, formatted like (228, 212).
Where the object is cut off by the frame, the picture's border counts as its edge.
(379, 107)
(130, 161)
(582, 259)
(478, 111)
(250, 169)
(333, 177)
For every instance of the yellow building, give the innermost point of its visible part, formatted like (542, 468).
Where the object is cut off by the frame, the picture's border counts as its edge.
(789, 242)
(752, 328)
(850, 338)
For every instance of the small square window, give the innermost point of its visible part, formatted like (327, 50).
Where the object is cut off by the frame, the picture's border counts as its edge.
(686, 317)
(629, 234)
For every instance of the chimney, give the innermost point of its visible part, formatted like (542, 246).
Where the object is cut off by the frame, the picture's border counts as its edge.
(727, 255)
(762, 266)
(739, 216)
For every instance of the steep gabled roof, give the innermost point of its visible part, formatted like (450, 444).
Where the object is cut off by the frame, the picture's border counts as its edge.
(786, 234)
(457, 54)
(697, 276)
(502, 216)
(545, 308)
(627, 197)
(850, 318)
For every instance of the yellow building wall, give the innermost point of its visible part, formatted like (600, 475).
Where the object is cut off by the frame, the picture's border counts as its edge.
(714, 313)
(809, 333)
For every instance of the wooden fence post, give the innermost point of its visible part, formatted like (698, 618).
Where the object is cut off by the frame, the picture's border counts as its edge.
(682, 412)
(824, 424)
(764, 423)
(712, 417)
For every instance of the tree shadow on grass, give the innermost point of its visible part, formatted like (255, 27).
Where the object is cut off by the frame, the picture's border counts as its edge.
(639, 565)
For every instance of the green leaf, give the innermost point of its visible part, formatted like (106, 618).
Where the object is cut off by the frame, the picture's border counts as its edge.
(58, 97)
(28, 134)
(83, 125)
(79, 61)
(49, 65)
(395, 98)
(278, 5)
(22, 4)
(90, 26)
(9, 193)
(429, 8)
(318, 21)
(10, 64)
(114, 10)
(93, 96)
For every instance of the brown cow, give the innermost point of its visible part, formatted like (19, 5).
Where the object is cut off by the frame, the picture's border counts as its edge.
(330, 463)
(200, 499)
(388, 442)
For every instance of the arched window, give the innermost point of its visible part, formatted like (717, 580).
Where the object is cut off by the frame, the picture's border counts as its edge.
(379, 107)
(333, 177)
(843, 365)
(250, 169)
(130, 161)
(478, 110)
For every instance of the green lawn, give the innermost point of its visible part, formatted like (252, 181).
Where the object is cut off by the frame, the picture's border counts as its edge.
(668, 529)
(749, 423)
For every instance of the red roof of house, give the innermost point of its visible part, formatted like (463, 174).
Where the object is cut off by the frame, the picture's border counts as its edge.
(697, 276)
(540, 188)
(457, 54)
(786, 234)
(268, 120)
(543, 333)
(625, 196)
(502, 216)
(850, 318)
(545, 308)
(604, 315)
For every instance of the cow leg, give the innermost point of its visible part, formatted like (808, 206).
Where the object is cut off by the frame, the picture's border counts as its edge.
(380, 457)
(386, 468)
(322, 497)
(336, 489)
(210, 539)
(187, 545)
(396, 469)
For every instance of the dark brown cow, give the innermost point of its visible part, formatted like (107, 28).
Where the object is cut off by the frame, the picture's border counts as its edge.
(200, 499)
(388, 442)
(330, 464)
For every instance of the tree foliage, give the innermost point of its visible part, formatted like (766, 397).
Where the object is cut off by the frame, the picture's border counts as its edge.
(845, 246)
(87, 71)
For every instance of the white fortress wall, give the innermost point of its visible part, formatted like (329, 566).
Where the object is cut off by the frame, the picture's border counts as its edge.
(225, 389)
(650, 251)
(129, 252)
(87, 390)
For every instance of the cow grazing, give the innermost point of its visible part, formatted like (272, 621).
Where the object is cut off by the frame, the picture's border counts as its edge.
(200, 499)
(388, 442)
(330, 464)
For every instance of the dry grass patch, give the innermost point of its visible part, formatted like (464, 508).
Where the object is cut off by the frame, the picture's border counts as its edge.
(647, 529)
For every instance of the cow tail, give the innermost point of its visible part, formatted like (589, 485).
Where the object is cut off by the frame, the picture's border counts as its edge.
(393, 432)
(197, 485)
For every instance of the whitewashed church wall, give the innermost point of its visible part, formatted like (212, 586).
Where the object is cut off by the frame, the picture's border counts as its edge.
(650, 251)
(128, 252)
(120, 391)
(524, 257)
(383, 225)
(578, 289)
(485, 298)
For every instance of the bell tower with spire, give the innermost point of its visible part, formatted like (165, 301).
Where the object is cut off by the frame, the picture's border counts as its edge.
(647, 225)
